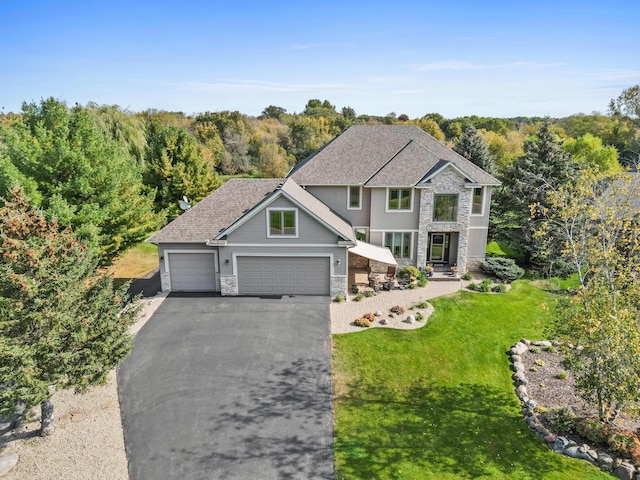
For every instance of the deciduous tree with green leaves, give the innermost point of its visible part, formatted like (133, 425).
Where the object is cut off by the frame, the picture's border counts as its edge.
(62, 323)
(597, 224)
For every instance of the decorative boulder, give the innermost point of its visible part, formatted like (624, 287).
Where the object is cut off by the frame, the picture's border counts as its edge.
(625, 471)
(560, 444)
(519, 378)
(517, 367)
(520, 348)
(7, 462)
(605, 461)
(378, 313)
(516, 358)
(383, 321)
(411, 319)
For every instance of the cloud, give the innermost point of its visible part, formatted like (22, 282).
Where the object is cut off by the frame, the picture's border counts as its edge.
(469, 66)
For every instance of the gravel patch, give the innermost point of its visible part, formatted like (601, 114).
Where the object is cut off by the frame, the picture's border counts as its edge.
(88, 442)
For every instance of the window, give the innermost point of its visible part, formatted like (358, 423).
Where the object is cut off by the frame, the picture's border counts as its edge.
(476, 209)
(354, 198)
(282, 223)
(399, 243)
(361, 234)
(399, 199)
(445, 208)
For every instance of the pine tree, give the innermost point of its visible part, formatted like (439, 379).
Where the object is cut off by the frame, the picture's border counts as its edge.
(472, 147)
(543, 167)
(62, 324)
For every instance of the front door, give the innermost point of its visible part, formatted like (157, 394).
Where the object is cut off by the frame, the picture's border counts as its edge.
(439, 246)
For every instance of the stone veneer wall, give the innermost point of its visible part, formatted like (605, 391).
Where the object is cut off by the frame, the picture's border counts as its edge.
(228, 285)
(448, 182)
(338, 286)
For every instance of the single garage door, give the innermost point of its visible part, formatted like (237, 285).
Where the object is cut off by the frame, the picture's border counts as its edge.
(192, 272)
(283, 275)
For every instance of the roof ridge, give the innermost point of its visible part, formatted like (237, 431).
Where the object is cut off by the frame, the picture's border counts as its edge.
(387, 162)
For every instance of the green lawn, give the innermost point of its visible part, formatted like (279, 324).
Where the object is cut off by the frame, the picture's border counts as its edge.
(437, 402)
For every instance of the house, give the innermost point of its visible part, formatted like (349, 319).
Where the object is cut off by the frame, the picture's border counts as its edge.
(370, 191)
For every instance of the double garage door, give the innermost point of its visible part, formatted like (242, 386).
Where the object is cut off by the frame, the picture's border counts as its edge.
(283, 275)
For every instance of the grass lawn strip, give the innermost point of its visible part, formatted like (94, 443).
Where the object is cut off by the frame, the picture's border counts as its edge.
(437, 402)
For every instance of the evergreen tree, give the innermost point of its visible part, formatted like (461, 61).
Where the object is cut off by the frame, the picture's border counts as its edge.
(85, 177)
(175, 168)
(472, 147)
(544, 166)
(62, 324)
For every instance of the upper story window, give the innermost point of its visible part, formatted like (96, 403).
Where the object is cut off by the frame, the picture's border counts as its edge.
(399, 199)
(445, 208)
(355, 198)
(476, 208)
(282, 222)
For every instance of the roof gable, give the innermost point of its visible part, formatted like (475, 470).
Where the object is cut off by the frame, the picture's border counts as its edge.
(304, 200)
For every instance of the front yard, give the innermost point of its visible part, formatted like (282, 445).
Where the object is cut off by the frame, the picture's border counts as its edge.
(438, 402)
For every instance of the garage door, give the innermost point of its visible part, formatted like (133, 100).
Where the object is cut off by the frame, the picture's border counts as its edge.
(283, 275)
(192, 272)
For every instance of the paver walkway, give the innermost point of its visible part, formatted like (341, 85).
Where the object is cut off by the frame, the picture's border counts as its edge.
(343, 314)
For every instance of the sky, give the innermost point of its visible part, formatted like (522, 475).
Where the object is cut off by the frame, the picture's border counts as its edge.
(490, 58)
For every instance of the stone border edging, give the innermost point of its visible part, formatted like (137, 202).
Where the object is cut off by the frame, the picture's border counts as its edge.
(619, 467)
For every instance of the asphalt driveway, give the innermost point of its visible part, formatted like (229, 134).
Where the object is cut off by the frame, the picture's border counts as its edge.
(230, 388)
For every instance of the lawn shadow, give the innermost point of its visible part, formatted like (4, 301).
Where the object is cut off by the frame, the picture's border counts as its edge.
(468, 430)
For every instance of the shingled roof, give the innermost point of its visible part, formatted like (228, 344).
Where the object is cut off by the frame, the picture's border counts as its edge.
(228, 206)
(382, 155)
(217, 211)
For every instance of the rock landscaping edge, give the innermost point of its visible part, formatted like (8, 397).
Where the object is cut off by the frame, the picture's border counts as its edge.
(619, 467)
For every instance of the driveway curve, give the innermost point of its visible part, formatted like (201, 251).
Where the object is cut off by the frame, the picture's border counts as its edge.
(230, 388)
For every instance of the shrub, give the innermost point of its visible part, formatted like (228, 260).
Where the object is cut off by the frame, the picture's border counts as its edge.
(358, 297)
(467, 276)
(422, 281)
(362, 322)
(562, 419)
(338, 298)
(412, 286)
(534, 350)
(541, 409)
(485, 287)
(408, 272)
(398, 310)
(533, 369)
(593, 429)
(500, 288)
(548, 348)
(419, 316)
(474, 286)
(562, 375)
(369, 293)
(422, 305)
(623, 442)
(503, 268)
(540, 363)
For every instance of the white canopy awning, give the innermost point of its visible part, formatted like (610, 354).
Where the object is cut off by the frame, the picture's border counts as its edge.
(374, 252)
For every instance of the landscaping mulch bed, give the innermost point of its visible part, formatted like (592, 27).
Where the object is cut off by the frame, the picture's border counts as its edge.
(549, 387)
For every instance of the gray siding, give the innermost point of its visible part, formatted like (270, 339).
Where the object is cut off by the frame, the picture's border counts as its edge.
(335, 197)
(482, 220)
(255, 229)
(394, 220)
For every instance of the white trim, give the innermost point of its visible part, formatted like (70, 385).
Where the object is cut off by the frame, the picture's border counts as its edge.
(411, 246)
(482, 202)
(367, 230)
(398, 210)
(286, 245)
(414, 230)
(359, 207)
(281, 209)
(442, 168)
(478, 228)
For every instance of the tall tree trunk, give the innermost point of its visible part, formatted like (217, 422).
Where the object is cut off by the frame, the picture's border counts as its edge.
(46, 423)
